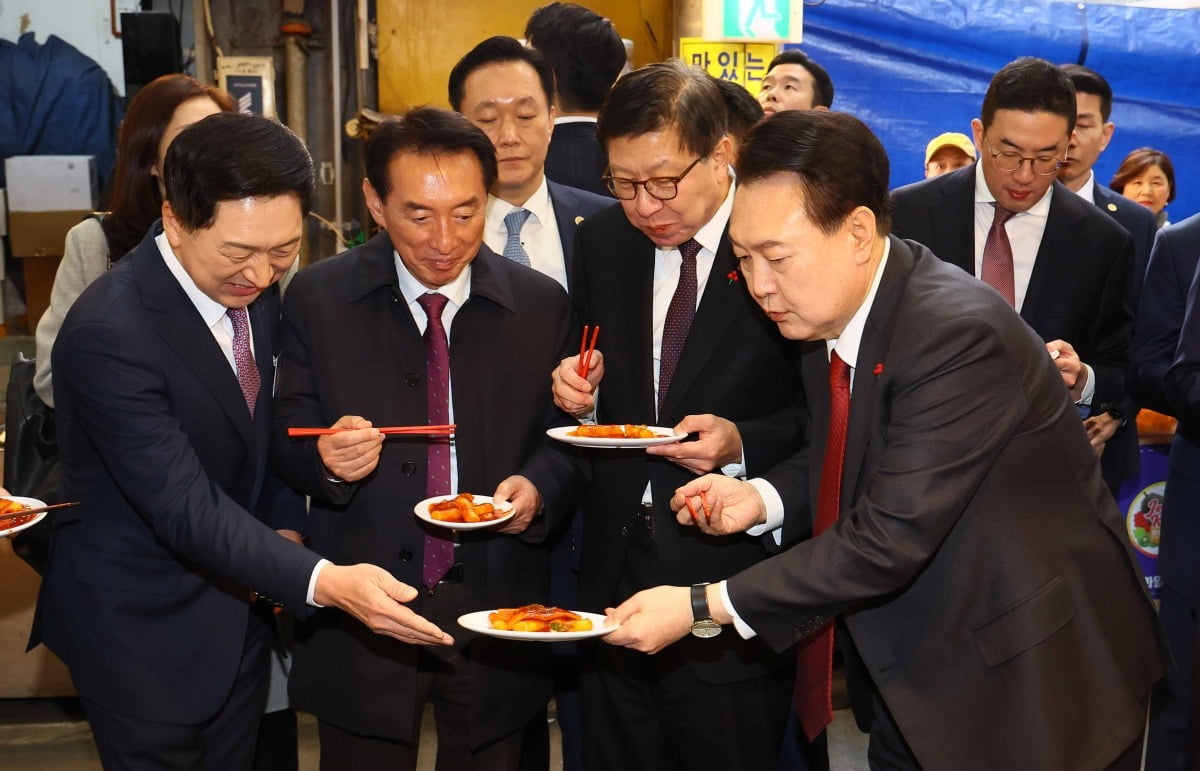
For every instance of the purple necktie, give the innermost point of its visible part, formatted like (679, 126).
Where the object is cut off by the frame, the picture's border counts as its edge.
(243, 358)
(679, 318)
(998, 257)
(439, 550)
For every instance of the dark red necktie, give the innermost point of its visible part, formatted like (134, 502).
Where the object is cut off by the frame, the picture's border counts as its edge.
(243, 358)
(439, 550)
(997, 267)
(679, 318)
(814, 659)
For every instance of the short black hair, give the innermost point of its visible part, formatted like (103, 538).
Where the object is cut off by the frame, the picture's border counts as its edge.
(230, 156)
(661, 96)
(838, 162)
(1088, 81)
(497, 50)
(823, 90)
(425, 131)
(1030, 85)
(584, 49)
(742, 109)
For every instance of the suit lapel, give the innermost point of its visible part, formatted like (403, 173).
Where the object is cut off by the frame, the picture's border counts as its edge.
(636, 269)
(708, 327)
(565, 217)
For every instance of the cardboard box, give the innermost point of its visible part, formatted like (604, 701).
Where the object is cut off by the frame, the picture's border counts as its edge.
(51, 182)
(41, 233)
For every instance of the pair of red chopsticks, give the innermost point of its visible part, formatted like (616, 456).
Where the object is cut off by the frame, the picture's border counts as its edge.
(445, 430)
(586, 348)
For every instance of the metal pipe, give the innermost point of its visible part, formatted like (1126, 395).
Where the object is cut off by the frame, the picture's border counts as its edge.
(297, 102)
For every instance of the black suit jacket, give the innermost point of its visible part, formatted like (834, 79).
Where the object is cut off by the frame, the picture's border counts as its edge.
(351, 347)
(980, 564)
(1081, 289)
(734, 364)
(575, 157)
(145, 594)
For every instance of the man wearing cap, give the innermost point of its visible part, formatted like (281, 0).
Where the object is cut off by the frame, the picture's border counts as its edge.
(795, 82)
(948, 152)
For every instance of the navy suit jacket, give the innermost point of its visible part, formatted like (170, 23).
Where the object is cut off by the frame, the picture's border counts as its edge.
(350, 346)
(1137, 221)
(571, 207)
(145, 593)
(576, 158)
(979, 563)
(1081, 289)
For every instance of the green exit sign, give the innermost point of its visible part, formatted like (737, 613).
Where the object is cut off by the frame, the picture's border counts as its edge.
(776, 20)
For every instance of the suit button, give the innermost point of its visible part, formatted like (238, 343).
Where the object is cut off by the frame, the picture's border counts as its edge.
(411, 379)
(405, 555)
(408, 469)
(625, 530)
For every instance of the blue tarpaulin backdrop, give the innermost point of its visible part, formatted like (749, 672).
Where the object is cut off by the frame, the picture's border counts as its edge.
(912, 69)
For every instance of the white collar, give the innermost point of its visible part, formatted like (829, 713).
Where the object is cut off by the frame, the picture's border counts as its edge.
(457, 291)
(574, 119)
(538, 204)
(851, 339)
(709, 236)
(210, 310)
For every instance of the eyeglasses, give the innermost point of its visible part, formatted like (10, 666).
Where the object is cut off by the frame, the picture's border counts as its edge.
(662, 188)
(1009, 161)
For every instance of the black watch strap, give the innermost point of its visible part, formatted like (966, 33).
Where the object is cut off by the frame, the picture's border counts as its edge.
(700, 602)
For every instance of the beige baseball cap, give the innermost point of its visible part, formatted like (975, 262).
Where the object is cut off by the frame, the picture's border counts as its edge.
(951, 139)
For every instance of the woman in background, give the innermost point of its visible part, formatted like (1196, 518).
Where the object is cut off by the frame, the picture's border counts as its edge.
(157, 113)
(1148, 177)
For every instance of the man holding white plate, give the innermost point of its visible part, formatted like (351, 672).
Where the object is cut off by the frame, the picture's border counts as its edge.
(424, 325)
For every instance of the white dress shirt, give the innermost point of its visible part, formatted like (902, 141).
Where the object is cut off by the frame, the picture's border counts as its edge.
(539, 234)
(847, 350)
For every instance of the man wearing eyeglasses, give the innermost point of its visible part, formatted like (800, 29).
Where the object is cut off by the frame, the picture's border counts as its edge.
(681, 345)
(1063, 264)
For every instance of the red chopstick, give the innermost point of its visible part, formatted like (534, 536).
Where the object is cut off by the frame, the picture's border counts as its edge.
(402, 430)
(585, 349)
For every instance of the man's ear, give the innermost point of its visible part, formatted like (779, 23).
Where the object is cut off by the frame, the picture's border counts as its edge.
(374, 202)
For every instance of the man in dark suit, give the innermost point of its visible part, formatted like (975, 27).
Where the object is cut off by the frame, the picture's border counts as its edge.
(360, 348)
(587, 54)
(1066, 267)
(964, 536)
(1163, 377)
(507, 90)
(726, 376)
(162, 374)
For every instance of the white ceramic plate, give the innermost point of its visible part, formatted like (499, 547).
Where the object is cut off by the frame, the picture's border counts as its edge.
(563, 434)
(478, 622)
(33, 503)
(422, 512)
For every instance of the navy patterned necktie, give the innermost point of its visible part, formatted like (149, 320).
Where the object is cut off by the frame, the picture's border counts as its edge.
(243, 357)
(439, 549)
(513, 222)
(679, 318)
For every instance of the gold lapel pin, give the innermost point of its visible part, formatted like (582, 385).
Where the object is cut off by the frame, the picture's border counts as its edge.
(1112, 207)
(578, 220)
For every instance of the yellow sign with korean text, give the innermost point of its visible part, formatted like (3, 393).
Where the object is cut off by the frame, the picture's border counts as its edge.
(741, 63)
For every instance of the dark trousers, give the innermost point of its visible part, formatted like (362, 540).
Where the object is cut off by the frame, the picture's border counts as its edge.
(224, 742)
(1173, 717)
(652, 713)
(443, 681)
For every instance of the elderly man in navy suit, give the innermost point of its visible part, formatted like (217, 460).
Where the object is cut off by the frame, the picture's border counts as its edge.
(162, 381)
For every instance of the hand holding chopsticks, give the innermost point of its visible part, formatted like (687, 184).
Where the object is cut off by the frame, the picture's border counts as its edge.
(35, 510)
(586, 348)
(445, 430)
